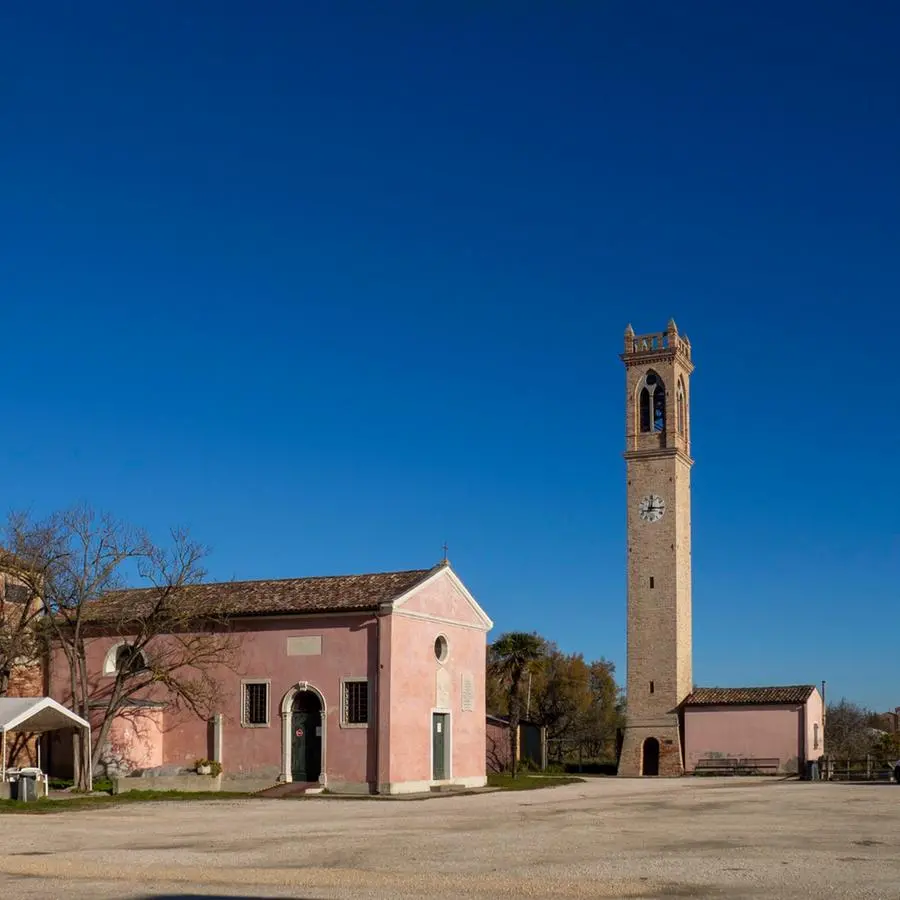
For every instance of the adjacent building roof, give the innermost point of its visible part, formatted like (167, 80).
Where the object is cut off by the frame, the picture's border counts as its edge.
(334, 593)
(795, 693)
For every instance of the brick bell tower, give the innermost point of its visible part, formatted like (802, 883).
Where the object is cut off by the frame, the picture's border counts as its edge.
(658, 466)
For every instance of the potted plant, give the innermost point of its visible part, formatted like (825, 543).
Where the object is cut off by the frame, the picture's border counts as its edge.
(208, 767)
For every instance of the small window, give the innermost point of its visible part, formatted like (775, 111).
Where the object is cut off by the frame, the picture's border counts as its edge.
(651, 687)
(651, 583)
(255, 709)
(356, 702)
(123, 658)
(441, 648)
(129, 661)
(816, 736)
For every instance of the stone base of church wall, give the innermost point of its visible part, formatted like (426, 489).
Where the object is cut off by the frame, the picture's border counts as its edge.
(635, 754)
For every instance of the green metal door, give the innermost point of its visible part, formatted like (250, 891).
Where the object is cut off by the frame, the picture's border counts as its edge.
(439, 739)
(306, 746)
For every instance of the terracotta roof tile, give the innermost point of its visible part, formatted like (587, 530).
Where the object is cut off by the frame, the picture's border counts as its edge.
(338, 593)
(796, 693)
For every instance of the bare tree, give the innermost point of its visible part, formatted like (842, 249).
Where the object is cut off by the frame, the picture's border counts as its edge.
(848, 733)
(170, 640)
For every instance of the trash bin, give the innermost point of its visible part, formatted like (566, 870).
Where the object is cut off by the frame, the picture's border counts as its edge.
(25, 788)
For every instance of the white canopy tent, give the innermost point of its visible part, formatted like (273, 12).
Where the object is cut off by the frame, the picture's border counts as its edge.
(36, 715)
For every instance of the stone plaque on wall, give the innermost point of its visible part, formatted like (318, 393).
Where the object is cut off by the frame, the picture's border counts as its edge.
(468, 692)
(443, 689)
(305, 646)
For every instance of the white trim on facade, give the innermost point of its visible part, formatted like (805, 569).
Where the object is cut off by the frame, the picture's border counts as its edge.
(437, 620)
(446, 572)
(287, 708)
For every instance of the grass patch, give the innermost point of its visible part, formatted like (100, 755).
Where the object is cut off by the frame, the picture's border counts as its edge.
(530, 782)
(99, 784)
(46, 805)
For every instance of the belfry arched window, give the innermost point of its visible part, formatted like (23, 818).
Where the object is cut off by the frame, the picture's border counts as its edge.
(681, 407)
(652, 403)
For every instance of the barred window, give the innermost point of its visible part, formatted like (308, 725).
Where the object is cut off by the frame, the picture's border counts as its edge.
(256, 703)
(356, 702)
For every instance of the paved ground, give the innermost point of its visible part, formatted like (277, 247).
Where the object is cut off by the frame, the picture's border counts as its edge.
(605, 838)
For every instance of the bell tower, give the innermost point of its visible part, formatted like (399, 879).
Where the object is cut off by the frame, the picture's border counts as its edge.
(658, 471)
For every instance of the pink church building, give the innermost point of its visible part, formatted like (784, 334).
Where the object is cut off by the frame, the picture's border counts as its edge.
(359, 683)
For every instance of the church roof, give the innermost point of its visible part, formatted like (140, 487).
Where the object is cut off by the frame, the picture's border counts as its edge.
(715, 696)
(332, 593)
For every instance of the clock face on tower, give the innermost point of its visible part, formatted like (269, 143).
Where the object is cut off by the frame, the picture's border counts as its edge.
(652, 508)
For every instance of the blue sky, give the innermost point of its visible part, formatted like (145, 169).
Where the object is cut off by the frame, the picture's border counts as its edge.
(331, 283)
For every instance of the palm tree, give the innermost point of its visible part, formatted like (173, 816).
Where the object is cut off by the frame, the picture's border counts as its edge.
(509, 659)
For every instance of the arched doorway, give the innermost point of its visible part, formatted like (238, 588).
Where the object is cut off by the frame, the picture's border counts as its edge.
(650, 757)
(306, 737)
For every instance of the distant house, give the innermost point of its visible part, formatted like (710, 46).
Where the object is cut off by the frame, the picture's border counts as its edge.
(890, 721)
(358, 683)
(532, 744)
(767, 729)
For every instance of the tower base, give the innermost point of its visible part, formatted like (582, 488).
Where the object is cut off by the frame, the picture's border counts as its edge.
(652, 747)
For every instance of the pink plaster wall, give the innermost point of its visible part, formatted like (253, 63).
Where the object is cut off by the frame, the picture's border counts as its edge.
(745, 732)
(135, 741)
(441, 597)
(348, 649)
(413, 684)
(396, 745)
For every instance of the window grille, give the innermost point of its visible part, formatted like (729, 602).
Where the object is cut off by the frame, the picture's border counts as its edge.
(256, 703)
(356, 702)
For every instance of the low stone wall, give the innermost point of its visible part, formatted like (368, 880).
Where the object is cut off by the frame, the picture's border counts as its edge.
(188, 783)
(246, 785)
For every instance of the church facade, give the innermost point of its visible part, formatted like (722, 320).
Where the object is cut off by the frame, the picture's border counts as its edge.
(673, 728)
(358, 684)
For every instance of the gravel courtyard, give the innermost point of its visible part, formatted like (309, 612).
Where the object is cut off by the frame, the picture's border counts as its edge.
(603, 838)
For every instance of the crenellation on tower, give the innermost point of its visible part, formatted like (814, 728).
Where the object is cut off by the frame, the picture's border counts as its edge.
(658, 367)
(660, 342)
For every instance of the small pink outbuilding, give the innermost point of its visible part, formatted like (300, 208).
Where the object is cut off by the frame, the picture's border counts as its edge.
(359, 683)
(758, 729)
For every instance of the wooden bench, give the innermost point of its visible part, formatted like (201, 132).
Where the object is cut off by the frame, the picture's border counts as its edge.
(715, 766)
(728, 766)
(758, 766)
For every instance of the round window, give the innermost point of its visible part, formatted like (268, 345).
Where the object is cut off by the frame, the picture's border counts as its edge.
(440, 648)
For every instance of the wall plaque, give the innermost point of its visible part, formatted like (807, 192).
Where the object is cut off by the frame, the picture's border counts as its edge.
(442, 689)
(305, 646)
(468, 692)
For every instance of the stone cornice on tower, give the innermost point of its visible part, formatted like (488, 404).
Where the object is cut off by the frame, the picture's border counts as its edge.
(657, 347)
(661, 453)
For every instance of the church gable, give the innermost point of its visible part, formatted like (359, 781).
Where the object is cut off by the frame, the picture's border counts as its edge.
(444, 597)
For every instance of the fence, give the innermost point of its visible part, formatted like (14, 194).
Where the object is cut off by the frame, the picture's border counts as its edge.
(580, 756)
(868, 768)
